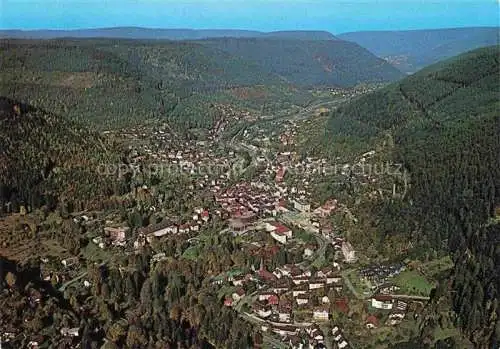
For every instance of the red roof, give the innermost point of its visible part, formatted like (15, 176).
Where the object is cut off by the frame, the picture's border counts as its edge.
(204, 213)
(372, 319)
(383, 298)
(228, 302)
(266, 275)
(342, 305)
(273, 300)
(281, 229)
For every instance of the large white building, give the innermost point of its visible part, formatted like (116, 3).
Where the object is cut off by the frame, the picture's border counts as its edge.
(348, 252)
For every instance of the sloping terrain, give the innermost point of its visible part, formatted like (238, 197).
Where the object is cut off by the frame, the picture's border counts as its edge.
(41, 155)
(308, 63)
(442, 124)
(412, 50)
(118, 82)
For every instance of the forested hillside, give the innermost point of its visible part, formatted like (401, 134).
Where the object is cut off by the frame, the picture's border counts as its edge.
(116, 82)
(309, 63)
(42, 154)
(443, 126)
(412, 50)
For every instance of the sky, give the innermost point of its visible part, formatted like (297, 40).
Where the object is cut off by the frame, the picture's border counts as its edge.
(336, 16)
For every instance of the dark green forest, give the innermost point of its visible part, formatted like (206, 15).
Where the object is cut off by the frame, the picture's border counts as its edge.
(311, 63)
(114, 82)
(42, 155)
(443, 125)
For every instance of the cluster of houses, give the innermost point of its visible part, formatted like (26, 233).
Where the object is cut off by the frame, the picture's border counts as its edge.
(339, 338)
(310, 337)
(200, 218)
(119, 235)
(397, 307)
(245, 201)
(398, 312)
(379, 275)
(279, 231)
(285, 291)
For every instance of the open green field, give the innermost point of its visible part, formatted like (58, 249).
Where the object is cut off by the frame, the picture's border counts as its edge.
(191, 253)
(437, 266)
(413, 282)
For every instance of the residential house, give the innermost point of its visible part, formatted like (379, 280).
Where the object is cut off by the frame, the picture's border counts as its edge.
(273, 300)
(335, 330)
(284, 315)
(302, 300)
(261, 310)
(300, 280)
(395, 318)
(238, 294)
(382, 302)
(238, 281)
(371, 322)
(117, 235)
(280, 287)
(333, 279)
(308, 252)
(184, 228)
(264, 296)
(300, 290)
(228, 302)
(321, 314)
(301, 206)
(348, 252)
(343, 344)
(279, 232)
(316, 284)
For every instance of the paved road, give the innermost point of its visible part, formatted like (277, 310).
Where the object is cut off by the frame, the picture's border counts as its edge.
(410, 297)
(72, 281)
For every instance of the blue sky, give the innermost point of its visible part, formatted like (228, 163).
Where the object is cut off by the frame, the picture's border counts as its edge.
(335, 16)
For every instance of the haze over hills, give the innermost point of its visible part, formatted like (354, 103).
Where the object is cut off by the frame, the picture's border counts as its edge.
(442, 125)
(411, 50)
(162, 34)
(407, 50)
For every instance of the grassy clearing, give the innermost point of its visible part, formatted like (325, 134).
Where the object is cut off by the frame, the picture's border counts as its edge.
(437, 266)
(413, 282)
(362, 287)
(191, 253)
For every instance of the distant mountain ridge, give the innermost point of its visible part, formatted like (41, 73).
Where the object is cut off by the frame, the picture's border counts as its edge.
(411, 50)
(112, 80)
(163, 34)
(310, 62)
